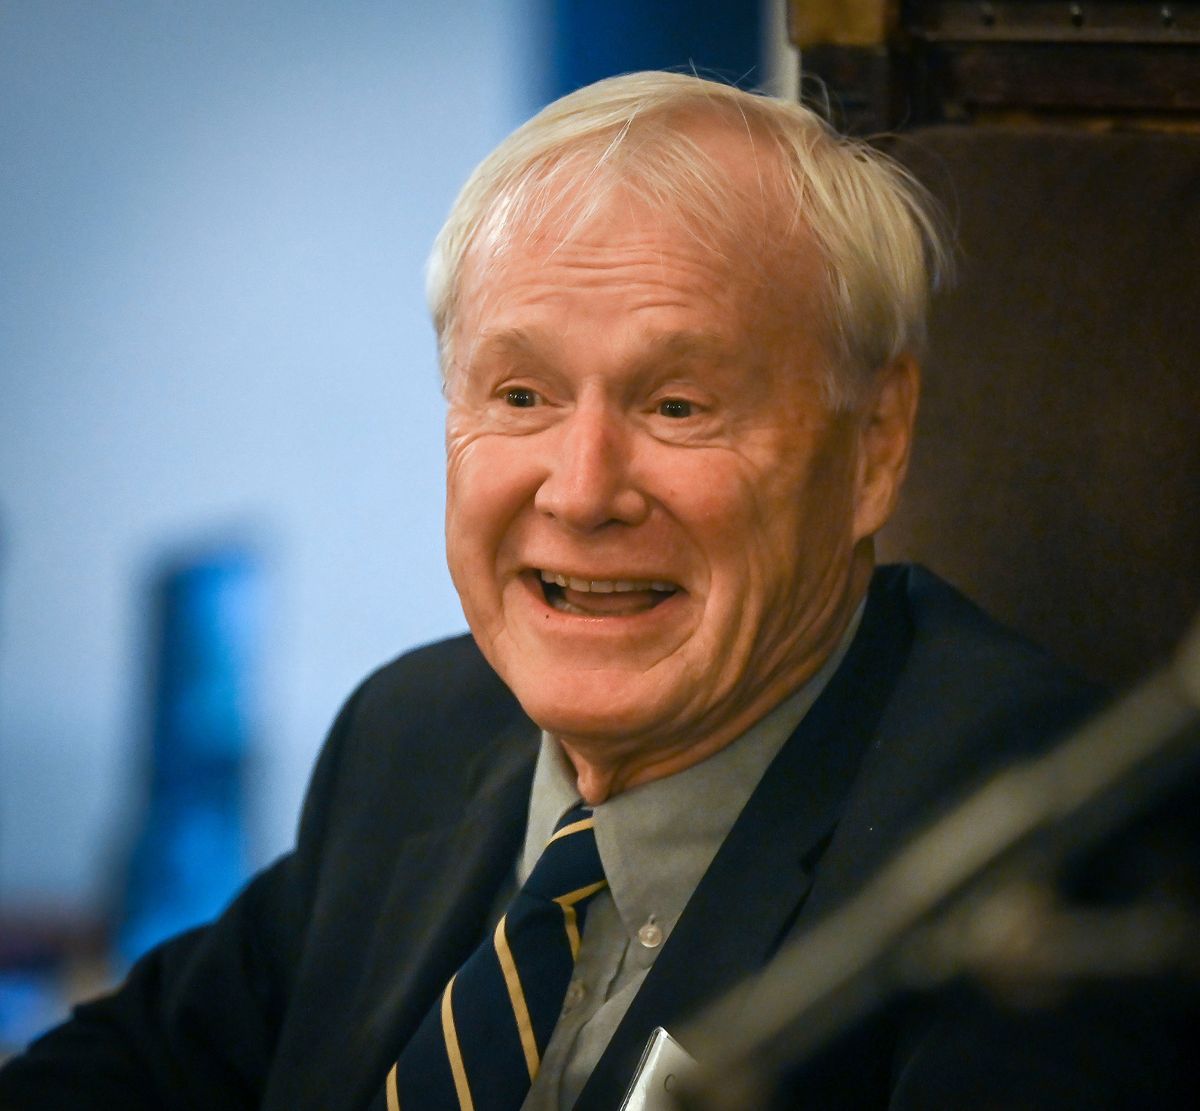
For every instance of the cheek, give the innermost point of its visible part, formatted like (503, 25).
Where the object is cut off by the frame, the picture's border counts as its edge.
(773, 533)
(467, 498)
(488, 483)
(734, 521)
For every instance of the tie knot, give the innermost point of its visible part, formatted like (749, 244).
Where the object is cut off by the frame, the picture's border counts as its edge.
(569, 869)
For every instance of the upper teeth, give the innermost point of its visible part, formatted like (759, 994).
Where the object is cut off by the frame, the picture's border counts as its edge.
(605, 586)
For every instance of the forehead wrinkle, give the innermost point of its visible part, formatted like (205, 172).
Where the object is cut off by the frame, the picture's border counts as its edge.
(675, 348)
(588, 245)
(646, 264)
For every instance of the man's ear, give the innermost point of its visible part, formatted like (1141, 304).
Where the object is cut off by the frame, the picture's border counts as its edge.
(884, 438)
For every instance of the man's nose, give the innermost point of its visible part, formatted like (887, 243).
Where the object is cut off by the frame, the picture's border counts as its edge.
(589, 479)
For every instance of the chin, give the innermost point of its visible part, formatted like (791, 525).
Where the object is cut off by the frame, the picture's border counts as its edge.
(596, 705)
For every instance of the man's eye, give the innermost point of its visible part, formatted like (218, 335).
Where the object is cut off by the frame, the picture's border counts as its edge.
(675, 407)
(520, 398)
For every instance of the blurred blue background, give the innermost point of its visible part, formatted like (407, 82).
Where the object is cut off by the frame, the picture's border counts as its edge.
(213, 221)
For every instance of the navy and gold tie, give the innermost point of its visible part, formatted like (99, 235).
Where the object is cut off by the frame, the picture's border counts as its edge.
(481, 1044)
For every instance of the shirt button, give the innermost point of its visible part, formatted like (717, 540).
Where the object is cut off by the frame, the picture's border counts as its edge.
(575, 993)
(650, 935)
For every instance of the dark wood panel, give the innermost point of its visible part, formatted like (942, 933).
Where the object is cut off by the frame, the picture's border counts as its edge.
(956, 60)
(1099, 77)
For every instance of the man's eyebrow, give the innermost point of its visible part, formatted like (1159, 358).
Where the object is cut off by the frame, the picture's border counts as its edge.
(684, 347)
(510, 343)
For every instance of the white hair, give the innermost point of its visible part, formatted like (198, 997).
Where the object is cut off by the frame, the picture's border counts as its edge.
(878, 231)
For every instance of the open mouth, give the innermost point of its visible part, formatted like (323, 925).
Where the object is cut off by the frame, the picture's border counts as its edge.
(603, 597)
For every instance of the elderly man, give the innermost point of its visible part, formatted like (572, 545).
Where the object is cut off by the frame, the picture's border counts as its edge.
(679, 327)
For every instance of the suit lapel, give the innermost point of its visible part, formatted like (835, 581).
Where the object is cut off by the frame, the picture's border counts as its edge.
(755, 888)
(445, 884)
(461, 870)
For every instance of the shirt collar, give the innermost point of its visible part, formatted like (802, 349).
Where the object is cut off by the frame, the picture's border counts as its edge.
(656, 840)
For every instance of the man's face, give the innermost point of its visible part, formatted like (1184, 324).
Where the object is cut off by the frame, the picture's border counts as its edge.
(650, 514)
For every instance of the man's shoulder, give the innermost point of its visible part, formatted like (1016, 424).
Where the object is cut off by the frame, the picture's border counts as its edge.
(970, 694)
(956, 645)
(434, 712)
(958, 697)
(418, 736)
(438, 684)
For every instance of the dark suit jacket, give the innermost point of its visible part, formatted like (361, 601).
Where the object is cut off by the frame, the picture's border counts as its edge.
(302, 993)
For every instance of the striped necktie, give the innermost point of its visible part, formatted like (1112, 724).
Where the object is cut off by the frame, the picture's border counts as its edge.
(481, 1044)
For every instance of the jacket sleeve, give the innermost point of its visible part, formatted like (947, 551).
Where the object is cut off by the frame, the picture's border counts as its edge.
(195, 1023)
